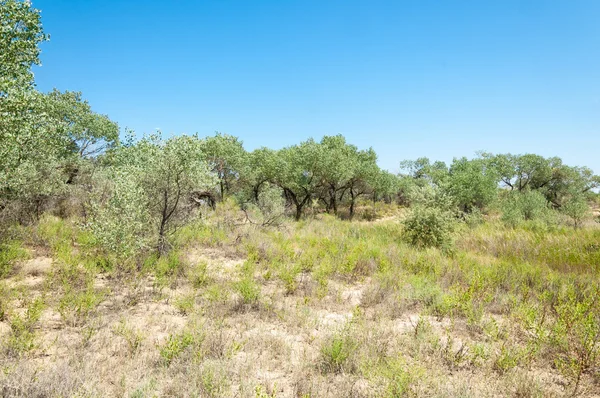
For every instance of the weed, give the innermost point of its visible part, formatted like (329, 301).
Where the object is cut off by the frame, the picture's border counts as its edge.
(174, 346)
(10, 252)
(576, 335)
(336, 354)
(22, 336)
(198, 275)
(185, 304)
(249, 291)
(76, 306)
(132, 336)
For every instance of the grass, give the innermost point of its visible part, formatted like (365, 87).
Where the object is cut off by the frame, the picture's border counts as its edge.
(322, 307)
(10, 252)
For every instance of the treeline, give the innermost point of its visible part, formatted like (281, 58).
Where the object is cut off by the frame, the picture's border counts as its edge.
(57, 155)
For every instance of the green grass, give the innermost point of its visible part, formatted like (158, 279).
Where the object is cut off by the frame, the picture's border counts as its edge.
(10, 252)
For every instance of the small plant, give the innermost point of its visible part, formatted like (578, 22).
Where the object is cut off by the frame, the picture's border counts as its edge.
(399, 378)
(10, 252)
(336, 354)
(198, 275)
(265, 392)
(22, 335)
(76, 306)
(525, 206)
(577, 209)
(507, 359)
(185, 304)
(174, 346)
(249, 291)
(169, 266)
(133, 337)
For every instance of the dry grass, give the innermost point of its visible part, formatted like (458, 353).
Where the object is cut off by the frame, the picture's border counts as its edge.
(324, 308)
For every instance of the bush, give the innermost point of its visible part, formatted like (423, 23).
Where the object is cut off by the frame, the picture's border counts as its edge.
(336, 354)
(577, 209)
(525, 206)
(268, 209)
(429, 227)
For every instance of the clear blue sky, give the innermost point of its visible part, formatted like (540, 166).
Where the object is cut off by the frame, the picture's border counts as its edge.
(410, 78)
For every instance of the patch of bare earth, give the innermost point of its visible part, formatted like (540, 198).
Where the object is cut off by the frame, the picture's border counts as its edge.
(271, 348)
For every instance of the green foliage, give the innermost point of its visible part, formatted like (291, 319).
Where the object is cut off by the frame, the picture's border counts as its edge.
(268, 208)
(248, 290)
(10, 252)
(336, 354)
(549, 176)
(89, 133)
(429, 227)
(198, 275)
(525, 206)
(22, 328)
(577, 209)
(471, 184)
(41, 135)
(20, 35)
(77, 305)
(227, 159)
(174, 346)
(576, 335)
(150, 185)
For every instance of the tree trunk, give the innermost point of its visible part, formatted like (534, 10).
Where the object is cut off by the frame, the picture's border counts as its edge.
(298, 212)
(333, 200)
(352, 198)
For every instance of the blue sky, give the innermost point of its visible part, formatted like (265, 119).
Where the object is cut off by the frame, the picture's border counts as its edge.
(441, 79)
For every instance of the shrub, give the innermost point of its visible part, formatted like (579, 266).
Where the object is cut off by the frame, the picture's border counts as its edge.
(525, 206)
(174, 346)
(577, 209)
(336, 354)
(268, 208)
(249, 291)
(429, 227)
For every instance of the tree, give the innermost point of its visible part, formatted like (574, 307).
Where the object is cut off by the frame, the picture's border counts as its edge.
(262, 167)
(364, 174)
(296, 173)
(40, 135)
(423, 171)
(555, 180)
(89, 133)
(471, 183)
(335, 169)
(385, 186)
(21, 33)
(227, 158)
(161, 177)
(577, 209)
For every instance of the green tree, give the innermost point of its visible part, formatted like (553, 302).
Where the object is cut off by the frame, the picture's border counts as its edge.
(21, 33)
(89, 133)
(40, 135)
(471, 183)
(296, 173)
(364, 175)
(160, 177)
(385, 186)
(227, 158)
(334, 169)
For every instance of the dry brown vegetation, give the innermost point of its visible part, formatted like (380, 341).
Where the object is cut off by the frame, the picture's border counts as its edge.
(321, 308)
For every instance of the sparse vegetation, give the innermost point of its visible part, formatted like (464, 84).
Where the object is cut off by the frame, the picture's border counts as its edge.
(188, 266)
